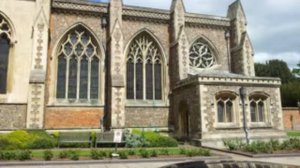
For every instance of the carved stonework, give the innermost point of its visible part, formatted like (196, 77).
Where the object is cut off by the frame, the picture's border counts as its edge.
(183, 54)
(39, 54)
(35, 107)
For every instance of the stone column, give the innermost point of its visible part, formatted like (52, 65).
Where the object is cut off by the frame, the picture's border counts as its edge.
(240, 45)
(117, 66)
(179, 43)
(36, 94)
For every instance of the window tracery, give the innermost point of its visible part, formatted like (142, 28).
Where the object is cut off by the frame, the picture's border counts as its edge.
(225, 107)
(144, 70)
(78, 66)
(201, 55)
(257, 108)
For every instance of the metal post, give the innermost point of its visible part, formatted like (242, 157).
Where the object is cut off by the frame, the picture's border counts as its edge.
(243, 94)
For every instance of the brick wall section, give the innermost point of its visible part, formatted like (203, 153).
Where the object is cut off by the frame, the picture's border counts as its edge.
(62, 118)
(146, 117)
(12, 116)
(291, 118)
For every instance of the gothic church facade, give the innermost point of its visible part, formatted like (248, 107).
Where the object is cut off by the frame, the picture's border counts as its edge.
(73, 64)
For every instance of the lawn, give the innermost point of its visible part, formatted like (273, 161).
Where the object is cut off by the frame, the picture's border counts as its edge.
(293, 133)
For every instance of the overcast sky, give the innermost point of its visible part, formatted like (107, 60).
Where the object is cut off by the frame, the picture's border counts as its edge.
(273, 25)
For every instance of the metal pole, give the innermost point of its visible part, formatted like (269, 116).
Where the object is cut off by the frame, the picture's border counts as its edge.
(243, 97)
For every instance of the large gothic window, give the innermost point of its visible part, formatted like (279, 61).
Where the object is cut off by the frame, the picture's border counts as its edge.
(258, 108)
(5, 37)
(225, 107)
(78, 66)
(201, 55)
(144, 69)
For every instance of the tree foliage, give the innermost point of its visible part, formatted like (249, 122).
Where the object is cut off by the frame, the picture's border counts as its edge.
(290, 89)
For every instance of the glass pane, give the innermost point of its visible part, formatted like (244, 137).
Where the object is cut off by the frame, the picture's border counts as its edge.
(61, 77)
(79, 49)
(90, 50)
(84, 39)
(158, 82)
(83, 78)
(95, 78)
(130, 81)
(220, 111)
(149, 81)
(73, 38)
(4, 51)
(68, 49)
(139, 80)
(229, 111)
(261, 111)
(252, 111)
(72, 78)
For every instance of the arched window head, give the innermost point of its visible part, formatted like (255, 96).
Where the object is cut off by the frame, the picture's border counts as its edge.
(5, 38)
(258, 107)
(78, 66)
(144, 69)
(225, 107)
(201, 55)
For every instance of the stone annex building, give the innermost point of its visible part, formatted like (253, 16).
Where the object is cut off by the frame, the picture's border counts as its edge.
(74, 64)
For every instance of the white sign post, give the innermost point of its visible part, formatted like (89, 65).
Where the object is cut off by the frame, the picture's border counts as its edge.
(117, 137)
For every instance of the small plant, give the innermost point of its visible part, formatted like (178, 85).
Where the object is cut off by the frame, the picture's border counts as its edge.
(233, 144)
(48, 155)
(97, 154)
(153, 153)
(164, 151)
(131, 152)
(191, 152)
(73, 155)
(182, 151)
(144, 153)
(123, 154)
(24, 155)
(8, 155)
(63, 154)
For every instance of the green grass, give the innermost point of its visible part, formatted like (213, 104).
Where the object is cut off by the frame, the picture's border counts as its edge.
(293, 133)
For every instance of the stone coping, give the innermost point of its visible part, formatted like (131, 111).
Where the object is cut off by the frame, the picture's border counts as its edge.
(112, 161)
(290, 108)
(140, 12)
(237, 80)
(251, 155)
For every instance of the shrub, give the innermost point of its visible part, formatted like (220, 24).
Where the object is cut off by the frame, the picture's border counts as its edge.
(144, 153)
(73, 155)
(48, 155)
(97, 154)
(233, 144)
(153, 153)
(18, 139)
(182, 151)
(157, 140)
(41, 140)
(135, 140)
(4, 142)
(24, 155)
(164, 151)
(63, 154)
(131, 152)
(8, 155)
(123, 154)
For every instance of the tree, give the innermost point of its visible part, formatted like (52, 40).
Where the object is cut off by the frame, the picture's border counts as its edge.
(296, 71)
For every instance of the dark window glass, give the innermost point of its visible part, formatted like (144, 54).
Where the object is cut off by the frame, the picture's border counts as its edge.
(72, 78)
(4, 51)
(61, 77)
(94, 78)
(130, 80)
(261, 111)
(139, 80)
(157, 81)
(83, 78)
(149, 81)
(220, 111)
(253, 111)
(229, 112)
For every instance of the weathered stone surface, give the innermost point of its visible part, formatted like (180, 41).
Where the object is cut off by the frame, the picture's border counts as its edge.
(12, 116)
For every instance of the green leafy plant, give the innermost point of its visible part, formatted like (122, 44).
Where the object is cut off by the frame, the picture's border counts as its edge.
(73, 155)
(123, 154)
(144, 153)
(164, 151)
(131, 152)
(8, 155)
(97, 154)
(24, 155)
(153, 153)
(48, 155)
(182, 151)
(63, 154)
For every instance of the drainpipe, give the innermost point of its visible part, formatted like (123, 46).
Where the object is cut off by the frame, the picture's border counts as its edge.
(243, 94)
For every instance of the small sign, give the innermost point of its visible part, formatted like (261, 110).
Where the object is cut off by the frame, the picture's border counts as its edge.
(118, 136)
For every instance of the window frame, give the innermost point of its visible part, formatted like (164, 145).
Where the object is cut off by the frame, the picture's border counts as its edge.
(256, 98)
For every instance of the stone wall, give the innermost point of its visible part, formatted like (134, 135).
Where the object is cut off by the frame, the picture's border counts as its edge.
(148, 117)
(291, 118)
(73, 117)
(13, 116)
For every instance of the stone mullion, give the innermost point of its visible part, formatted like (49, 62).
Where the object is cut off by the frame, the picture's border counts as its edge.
(134, 78)
(153, 78)
(144, 76)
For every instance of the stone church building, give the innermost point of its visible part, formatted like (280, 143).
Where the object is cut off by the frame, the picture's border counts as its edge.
(75, 64)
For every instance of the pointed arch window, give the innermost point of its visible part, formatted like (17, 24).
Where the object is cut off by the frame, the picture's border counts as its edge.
(258, 108)
(144, 69)
(5, 38)
(78, 66)
(225, 107)
(201, 55)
